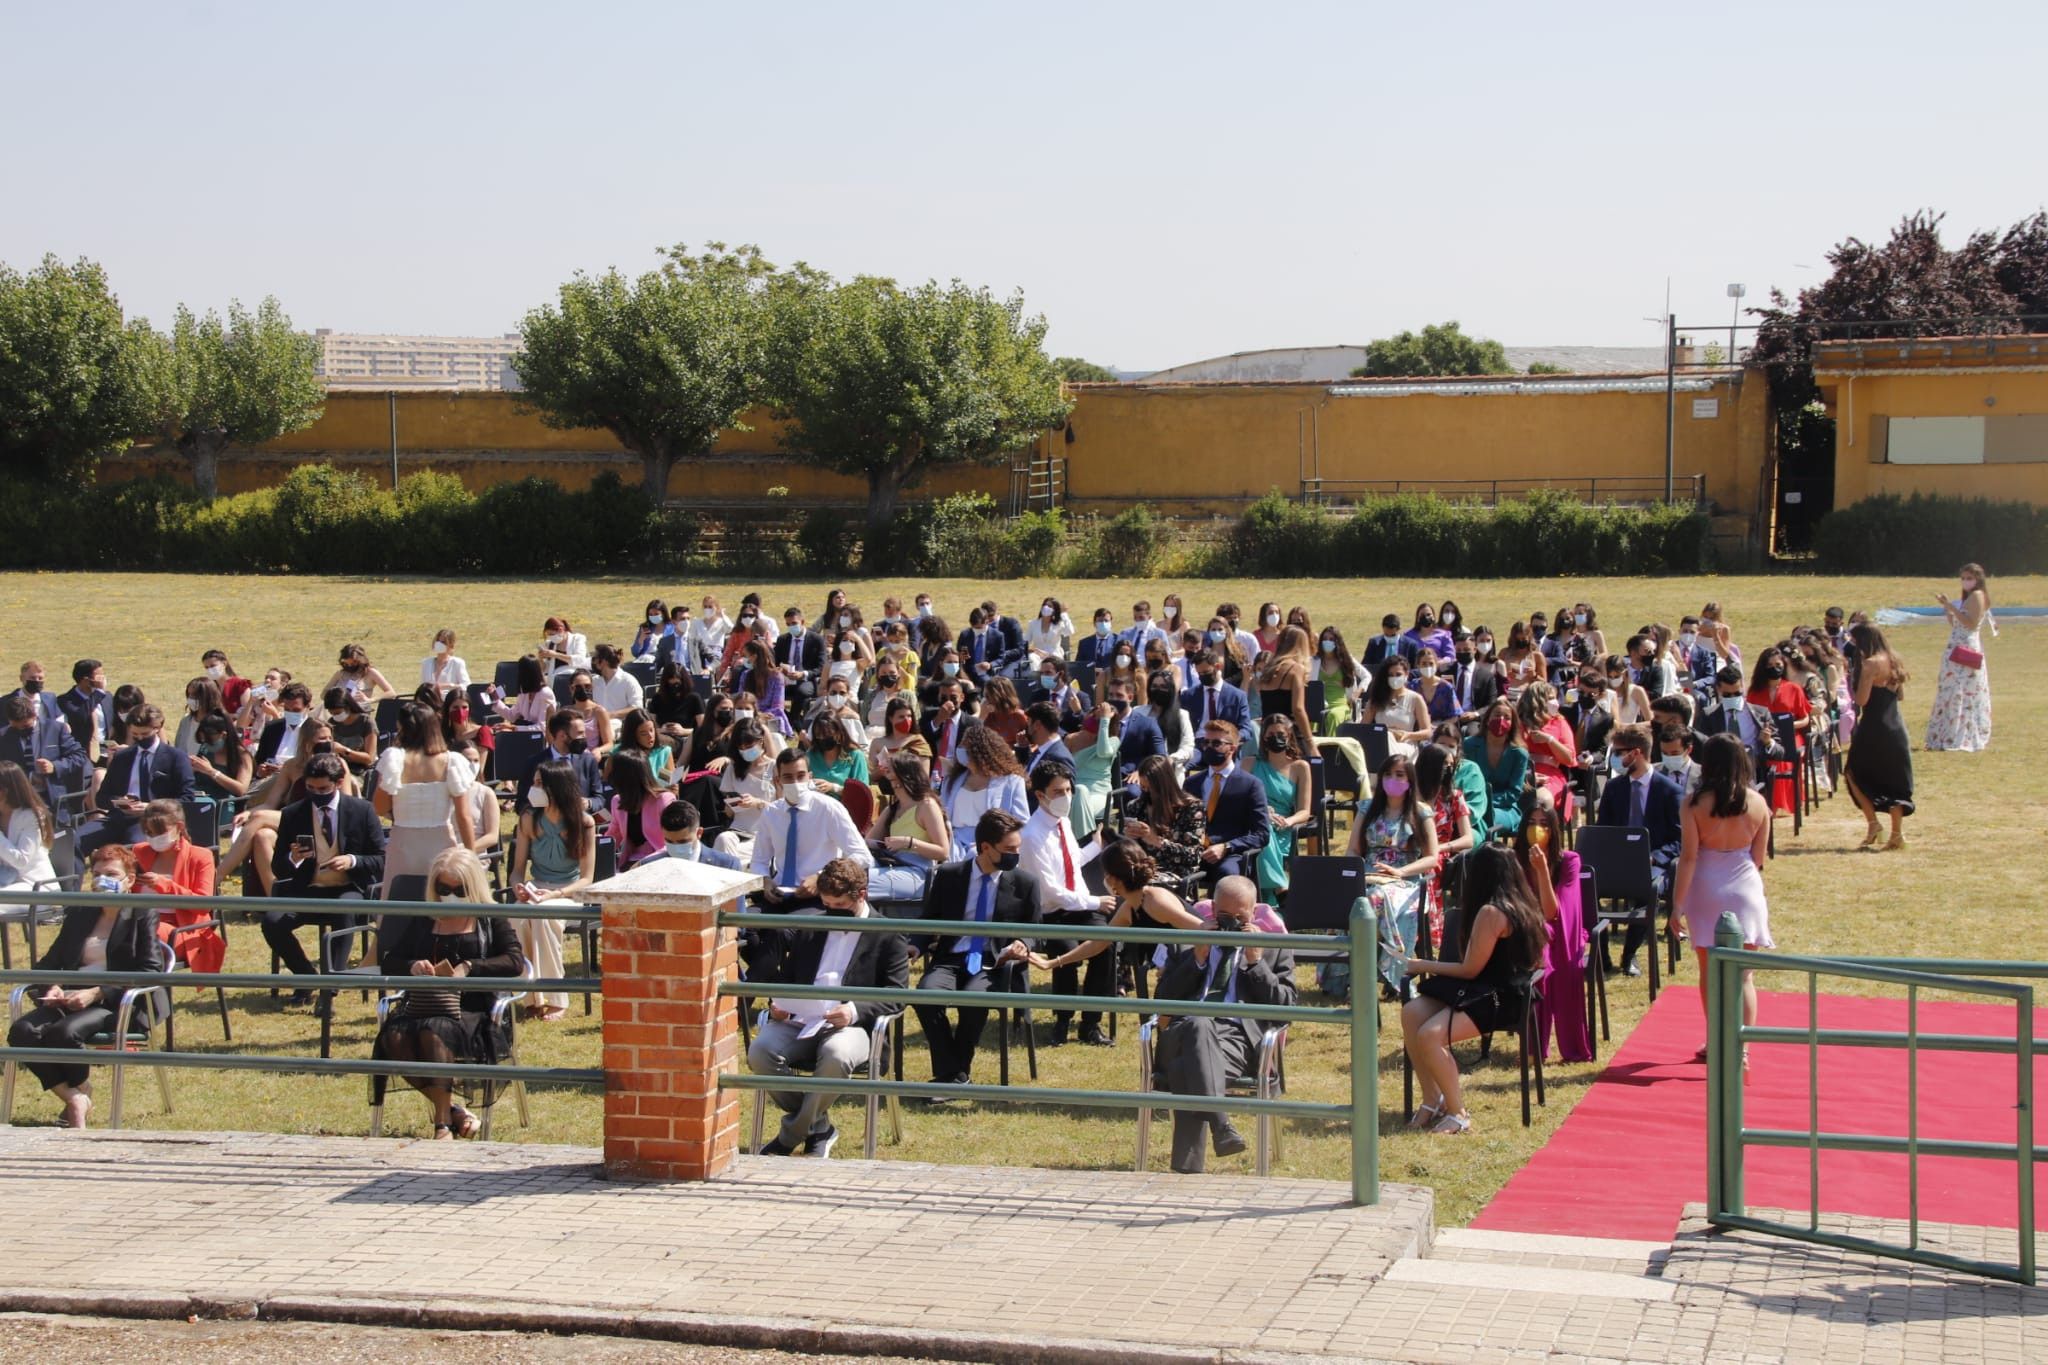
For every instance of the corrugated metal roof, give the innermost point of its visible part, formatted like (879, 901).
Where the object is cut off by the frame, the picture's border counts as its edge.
(1518, 387)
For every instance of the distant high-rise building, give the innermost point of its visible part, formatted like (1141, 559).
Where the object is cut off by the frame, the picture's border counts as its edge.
(361, 360)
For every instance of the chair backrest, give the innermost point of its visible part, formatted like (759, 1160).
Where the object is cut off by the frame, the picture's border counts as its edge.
(1091, 877)
(408, 886)
(859, 800)
(1621, 859)
(563, 684)
(202, 823)
(1338, 774)
(703, 685)
(1589, 895)
(505, 677)
(1321, 890)
(646, 674)
(1788, 733)
(607, 859)
(482, 709)
(1312, 702)
(1371, 738)
(1317, 784)
(1084, 677)
(388, 711)
(517, 754)
(64, 857)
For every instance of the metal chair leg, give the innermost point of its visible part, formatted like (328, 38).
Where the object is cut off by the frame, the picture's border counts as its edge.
(760, 1114)
(227, 1030)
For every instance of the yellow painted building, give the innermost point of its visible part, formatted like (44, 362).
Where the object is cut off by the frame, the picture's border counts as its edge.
(1964, 416)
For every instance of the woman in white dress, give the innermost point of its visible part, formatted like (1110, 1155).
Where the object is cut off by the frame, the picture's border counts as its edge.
(24, 831)
(423, 789)
(443, 668)
(986, 776)
(1051, 634)
(1962, 694)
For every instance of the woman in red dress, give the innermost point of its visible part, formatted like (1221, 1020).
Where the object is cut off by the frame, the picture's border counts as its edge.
(1770, 688)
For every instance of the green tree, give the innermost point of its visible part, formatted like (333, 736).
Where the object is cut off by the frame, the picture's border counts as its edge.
(69, 386)
(1075, 370)
(212, 384)
(1545, 367)
(665, 362)
(888, 383)
(1441, 348)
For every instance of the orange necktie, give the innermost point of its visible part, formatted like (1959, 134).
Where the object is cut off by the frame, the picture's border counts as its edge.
(1215, 790)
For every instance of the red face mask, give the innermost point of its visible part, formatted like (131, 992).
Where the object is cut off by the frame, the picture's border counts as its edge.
(903, 725)
(1499, 725)
(460, 715)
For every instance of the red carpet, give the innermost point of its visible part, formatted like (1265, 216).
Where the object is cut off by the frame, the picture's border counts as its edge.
(1634, 1151)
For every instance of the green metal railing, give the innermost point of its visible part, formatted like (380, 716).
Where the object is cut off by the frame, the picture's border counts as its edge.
(1361, 1015)
(1728, 1139)
(353, 981)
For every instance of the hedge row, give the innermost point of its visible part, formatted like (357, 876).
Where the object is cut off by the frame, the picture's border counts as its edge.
(1932, 534)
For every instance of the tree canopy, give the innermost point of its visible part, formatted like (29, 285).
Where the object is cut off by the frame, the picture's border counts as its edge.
(1075, 370)
(665, 362)
(1439, 349)
(211, 383)
(69, 382)
(887, 382)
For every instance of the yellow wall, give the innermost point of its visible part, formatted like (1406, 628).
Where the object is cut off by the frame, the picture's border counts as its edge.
(1206, 444)
(1854, 401)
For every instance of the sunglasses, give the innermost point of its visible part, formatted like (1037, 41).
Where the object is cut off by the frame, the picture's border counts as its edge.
(1212, 744)
(446, 891)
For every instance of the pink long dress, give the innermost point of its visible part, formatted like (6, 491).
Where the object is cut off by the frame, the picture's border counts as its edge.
(1564, 982)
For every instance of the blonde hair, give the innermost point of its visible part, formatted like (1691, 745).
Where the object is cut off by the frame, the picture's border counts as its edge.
(459, 865)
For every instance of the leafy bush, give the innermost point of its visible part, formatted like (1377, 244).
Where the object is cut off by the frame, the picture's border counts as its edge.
(1932, 534)
(1127, 545)
(826, 541)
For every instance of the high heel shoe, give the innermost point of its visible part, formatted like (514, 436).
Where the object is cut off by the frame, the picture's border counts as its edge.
(1871, 836)
(1896, 845)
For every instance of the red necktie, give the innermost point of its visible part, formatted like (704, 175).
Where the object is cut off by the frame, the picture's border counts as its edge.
(1067, 857)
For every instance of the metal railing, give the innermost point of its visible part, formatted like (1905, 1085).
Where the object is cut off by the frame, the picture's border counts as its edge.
(170, 978)
(1691, 488)
(1728, 1139)
(1361, 1015)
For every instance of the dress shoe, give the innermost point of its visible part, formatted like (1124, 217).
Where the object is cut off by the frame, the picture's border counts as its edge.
(1095, 1037)
(1629, 968)
(299, 998)
(1227, 1140)
(1059, 1034)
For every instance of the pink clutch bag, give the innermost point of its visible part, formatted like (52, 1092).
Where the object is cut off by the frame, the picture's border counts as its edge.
(1968, 658)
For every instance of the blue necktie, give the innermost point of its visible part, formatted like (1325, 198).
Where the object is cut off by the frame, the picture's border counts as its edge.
(980, 638)
(982, 914)
(789, 850)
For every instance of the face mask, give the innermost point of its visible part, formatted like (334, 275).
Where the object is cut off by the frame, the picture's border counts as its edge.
(1397, 684)
(845, 620)
(577, 746)
(1119, 705)
(901, 725)
(440, 646)
(838, 700)
(1048, 680)
(1425, 621)
(294, 719)
(1215, 637)
(924, 609)
(165, 842)
(751, 754)
(689, 852)
(1102, 628)
(1395, 788)
(1123, 661)
(579, 694)
(459, 715)
(32, 686)
(1215, 758)
(1426, 671)
(1464, 657)
(949, 668)
(1673, 763)
(1499, 725)
(746, 618)
(1006, 862)
(106, 882)
(1578, 618)
(1450, 618)
(192, 704)
(1058, 806)
(1486, 650)
(1275, 744)
(738, 716)
(1686, 641)
(1329, 646)
(214, 671)
(537, 796)
(845, 648)
(1538, 630)
(1171, 613)
(797, 793)
(1272, 619)
(1209, 678)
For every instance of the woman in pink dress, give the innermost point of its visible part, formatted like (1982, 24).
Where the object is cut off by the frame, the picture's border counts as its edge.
(1726, 828)
(1553, 872)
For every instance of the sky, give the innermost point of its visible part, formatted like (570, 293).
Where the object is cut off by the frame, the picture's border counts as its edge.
(1164, 182)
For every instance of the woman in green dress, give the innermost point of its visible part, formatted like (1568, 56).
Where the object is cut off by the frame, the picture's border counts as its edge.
(1338, 674)
(1095, 753)
(1504, 762)
(1284, 773)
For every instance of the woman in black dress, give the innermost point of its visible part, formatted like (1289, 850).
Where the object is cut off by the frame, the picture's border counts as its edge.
(1880, 766)
(446, 1025)
(1474, 994)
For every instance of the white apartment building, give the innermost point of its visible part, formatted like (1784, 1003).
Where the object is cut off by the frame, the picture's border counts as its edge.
(353, 360)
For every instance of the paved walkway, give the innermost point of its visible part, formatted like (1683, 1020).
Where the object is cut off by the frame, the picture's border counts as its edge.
(954, 1262)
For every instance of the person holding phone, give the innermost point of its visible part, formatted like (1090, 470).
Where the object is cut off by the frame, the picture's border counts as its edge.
(149, 768)
(329, 847)
(1962, 693)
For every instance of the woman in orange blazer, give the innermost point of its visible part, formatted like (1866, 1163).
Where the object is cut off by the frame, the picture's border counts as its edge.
(169, 862)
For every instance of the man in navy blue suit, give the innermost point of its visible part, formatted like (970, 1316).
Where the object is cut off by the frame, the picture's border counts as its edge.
(1211, 698)
(148, 769)
(45, 750)
(1642, 798)
(1239, 820)
(32, 687)
(88, 707)
(1042, 728)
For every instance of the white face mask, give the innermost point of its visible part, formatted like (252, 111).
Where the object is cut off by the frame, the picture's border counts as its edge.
(1449, 619)
(216, 672)
(1045, 613)
(294, 719)
(440, 646)
(689, 853)
(844, 620)
(1486, 649)
(709, 616)
(1123, 661)
(1426, 671)
(1058, 806)
(1170, 612)
(1686, 641)
(193, 704)
(537, 796)
(1397, 685)
(924, 609)
(1272, 619)
(797, 793)
(1578, 618)
(1674, 763)
(845, 648)
(165, 842)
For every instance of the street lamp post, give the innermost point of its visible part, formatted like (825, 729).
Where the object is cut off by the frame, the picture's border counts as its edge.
(1735, 291)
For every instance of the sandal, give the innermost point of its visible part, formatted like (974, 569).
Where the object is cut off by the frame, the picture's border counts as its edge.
(1452, 1125)
(1425, 1116)
(466, 1124)
(442, 1133)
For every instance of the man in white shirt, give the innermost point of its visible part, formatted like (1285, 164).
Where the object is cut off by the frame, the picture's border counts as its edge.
(1142, 631)
(614, 689)
(1050, 853)
(799, 833)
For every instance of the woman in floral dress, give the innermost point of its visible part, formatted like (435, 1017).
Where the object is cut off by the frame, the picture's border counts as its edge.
(1962, 694)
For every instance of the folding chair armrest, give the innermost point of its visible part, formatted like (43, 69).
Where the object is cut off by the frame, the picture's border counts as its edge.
(878, 1034)
(15, 998)
(1270, 1044)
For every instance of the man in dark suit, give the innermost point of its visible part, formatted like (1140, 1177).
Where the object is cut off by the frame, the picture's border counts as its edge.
(1012, 632)
(1211, 698)
(45, 750)
(1726, 713)
(148, 769)
(831, 1040)
(1042, 728)
(89, 708)
(1137, 734)
(32, 687)
(1390, 641)
(800, 655)
(330, 847)
(986, 887)
(568, 742)
(984, 649)
(1199, 1055)
(1239, 821)
(1475, 682)
(1642, 797)
(946, 722)
(279, 741)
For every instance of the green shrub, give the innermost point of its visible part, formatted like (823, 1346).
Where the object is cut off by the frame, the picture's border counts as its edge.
(1931, 534)
(826, 541)
(1127, 545)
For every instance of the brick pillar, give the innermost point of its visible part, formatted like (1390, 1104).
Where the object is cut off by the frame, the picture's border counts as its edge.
(667, 1035)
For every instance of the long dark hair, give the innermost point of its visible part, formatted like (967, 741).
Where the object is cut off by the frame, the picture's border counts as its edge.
(1871, 644)
(1347, 667)
(20, 794)
(1434, 768)
(1724, 776)
(1492, 876)
(1760, 679)
(741, 734)
(565, 799)
(1553, 847)
(1164, 795)
(632, 781)
(910, 781)
(1397, 765)
(530, 677)
(1161, 692)
(1379, 694)
(419, 729)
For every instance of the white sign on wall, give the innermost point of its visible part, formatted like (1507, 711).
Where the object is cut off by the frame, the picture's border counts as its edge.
(1706, 407)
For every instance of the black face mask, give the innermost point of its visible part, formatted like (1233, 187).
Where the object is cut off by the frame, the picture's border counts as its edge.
(1006, 862)
(579, 694)
(1276, 744)
(325, 746)
(1119, 705)
(577, 746)
(32, 686)
(1464, 656)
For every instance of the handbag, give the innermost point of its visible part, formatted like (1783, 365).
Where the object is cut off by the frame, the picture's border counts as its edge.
(1966, 657)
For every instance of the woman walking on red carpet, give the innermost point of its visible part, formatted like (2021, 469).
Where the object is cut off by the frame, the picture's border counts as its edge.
(1725, 826)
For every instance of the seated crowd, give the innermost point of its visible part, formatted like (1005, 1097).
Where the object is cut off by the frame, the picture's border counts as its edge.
(897, 762)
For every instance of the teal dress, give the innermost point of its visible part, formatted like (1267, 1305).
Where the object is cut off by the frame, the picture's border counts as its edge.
(553, 865)
(1094, 765)
(1504, 783)
(1471, 784)
(1281, 794)
(851, 766)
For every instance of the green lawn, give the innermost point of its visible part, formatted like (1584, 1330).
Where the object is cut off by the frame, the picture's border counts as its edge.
(1969, 883)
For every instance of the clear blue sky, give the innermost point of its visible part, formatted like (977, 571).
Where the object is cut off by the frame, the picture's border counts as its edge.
(1164, 182)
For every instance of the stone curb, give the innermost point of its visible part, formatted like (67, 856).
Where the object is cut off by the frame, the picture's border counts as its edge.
(812, 1336)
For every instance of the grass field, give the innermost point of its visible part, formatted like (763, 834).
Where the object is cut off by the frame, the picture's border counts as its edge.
(1969, 884)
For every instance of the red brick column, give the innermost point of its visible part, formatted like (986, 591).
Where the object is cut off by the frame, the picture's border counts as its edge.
(667, 1035)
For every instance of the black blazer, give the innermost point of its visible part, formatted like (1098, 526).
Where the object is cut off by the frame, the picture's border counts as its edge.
(51, 739)
(1660, 814)
(1056, 751)
(356, 831)
(169, 775)
(78, 712)
(1486, 684)
(945, 897)
(931, 724)
(268, 742)
(1713, 718)
(805, 652)
(405, 939)
(1269, 981)
(789, 957)
(132, 946)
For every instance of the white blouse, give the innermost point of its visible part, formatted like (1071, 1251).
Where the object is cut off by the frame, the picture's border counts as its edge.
(1050, 639)
(423, 805)
(745, 822)
(444, 670)
(24, 857)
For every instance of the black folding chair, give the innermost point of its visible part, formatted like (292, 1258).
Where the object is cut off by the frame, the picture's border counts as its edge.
(505, 677)
(646, 674)
(1320, 893)
(563, 685)
(483, 707)
(388, 711)
(1596, 953)
(1371, 738)
(517, 753)
(1620, 860)
(1794, 770)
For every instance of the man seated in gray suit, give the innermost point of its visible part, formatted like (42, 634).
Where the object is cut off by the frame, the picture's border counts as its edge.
(1198, 1056)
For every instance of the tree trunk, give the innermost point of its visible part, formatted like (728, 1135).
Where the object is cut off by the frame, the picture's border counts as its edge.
(883, 486)
(654, 469)
(205, 455)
